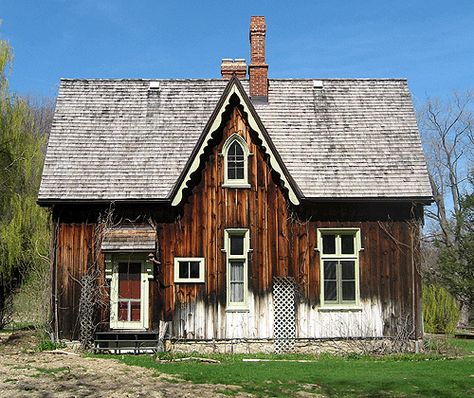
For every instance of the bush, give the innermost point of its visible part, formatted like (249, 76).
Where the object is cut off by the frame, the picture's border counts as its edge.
(440, 310)
(46, 344)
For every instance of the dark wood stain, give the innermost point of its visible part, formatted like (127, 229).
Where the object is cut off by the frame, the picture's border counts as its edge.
(283, 239)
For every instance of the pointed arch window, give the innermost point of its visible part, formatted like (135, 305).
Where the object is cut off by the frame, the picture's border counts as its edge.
(236, 153)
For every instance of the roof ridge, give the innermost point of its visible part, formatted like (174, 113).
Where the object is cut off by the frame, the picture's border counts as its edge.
(138, 79)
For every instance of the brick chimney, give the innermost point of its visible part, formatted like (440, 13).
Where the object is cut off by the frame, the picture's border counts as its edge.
(258, 69)
(230, 67)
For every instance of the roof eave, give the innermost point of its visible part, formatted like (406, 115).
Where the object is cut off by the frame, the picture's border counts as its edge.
(55, 201)
(425, 200)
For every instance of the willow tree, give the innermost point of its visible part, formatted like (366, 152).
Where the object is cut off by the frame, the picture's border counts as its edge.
(23, 224)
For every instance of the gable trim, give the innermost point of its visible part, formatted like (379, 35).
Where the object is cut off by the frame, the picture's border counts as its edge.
(234, 87)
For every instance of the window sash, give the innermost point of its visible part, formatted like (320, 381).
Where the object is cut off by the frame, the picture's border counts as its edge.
(338, 244)
(339, 283)
(235, 162)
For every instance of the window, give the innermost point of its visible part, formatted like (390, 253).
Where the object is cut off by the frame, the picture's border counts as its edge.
(235, 162)
(235, 152)
(339, 251)
(188, 269)
(237, 246)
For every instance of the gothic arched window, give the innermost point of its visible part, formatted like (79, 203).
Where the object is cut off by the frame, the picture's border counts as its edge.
(236, 154)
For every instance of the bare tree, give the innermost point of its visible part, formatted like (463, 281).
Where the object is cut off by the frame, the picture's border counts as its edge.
(448, 134)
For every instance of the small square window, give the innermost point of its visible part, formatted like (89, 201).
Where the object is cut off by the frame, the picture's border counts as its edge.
(189, 269)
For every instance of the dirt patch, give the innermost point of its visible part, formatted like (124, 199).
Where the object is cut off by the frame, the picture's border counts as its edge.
(26, 373)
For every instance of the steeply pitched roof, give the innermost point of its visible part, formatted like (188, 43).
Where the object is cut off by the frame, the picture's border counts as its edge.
(121, 140)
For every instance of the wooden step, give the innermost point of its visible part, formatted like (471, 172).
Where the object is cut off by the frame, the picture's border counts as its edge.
(127, 342)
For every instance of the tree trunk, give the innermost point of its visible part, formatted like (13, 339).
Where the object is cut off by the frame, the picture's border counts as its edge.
(5, 305)
(464, 315)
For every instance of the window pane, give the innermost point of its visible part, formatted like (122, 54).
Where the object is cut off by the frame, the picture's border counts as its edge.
(135, 315)
(237, 149)
(330, 291)
(123, 311)
(236, 292)
(236, 245)
(239, 173)
(329, 244)
(348, 290)
(237, 271)
(194, 269)
(330, 270)
(348, 270)
(183, 269)
(347, 244)
(129, 280)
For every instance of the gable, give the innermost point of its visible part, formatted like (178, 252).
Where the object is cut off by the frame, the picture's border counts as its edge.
(233, 89)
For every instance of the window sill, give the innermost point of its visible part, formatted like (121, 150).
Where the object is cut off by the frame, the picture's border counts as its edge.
(188, 281)
(237, 309)
(236, 185)
(340, 308)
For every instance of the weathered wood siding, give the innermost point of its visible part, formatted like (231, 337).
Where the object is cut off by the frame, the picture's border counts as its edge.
(283, 241)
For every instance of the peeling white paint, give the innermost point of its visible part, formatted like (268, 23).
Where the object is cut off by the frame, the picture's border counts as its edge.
(200, 321)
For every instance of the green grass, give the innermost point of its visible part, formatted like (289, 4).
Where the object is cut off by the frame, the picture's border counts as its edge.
(406, 375)
(464, 345)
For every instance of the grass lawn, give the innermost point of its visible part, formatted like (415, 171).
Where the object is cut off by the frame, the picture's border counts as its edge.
(390, 376)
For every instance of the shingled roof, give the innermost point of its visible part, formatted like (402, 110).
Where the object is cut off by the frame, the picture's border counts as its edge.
(119, 140)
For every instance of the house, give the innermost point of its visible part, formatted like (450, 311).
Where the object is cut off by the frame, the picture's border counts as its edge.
(243, 210)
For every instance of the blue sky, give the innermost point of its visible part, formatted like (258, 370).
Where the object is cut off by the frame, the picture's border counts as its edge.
(429, 42)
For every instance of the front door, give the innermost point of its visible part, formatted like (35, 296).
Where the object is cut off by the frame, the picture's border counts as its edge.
(129, 295)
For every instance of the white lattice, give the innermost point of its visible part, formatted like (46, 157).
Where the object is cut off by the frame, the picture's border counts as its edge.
(284, 314)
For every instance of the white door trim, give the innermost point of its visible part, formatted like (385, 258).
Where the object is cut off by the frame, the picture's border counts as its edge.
(129, 325)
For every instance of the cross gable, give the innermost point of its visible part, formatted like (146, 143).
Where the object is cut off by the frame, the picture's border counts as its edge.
(234, 90)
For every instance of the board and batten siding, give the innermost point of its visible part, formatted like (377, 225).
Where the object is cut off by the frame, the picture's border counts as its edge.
(283, 241)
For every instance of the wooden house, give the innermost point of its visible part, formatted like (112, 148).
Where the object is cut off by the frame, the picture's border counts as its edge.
(244, 209)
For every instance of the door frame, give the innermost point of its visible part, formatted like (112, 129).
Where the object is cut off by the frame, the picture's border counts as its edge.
(143, 324)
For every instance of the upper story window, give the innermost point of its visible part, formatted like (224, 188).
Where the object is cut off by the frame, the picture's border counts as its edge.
(339, 251)
(236, 153)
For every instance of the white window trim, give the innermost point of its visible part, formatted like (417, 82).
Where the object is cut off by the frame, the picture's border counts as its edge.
(237, 306)
(202, 263)
(236, 183)
(350, 306)
(145, 291)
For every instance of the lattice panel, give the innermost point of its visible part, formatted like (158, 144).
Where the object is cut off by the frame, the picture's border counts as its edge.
(87, 302)
(284, 290)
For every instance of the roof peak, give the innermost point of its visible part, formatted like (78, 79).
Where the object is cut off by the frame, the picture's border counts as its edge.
(67, 79)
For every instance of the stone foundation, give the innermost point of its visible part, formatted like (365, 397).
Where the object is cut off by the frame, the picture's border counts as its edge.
(301, 346)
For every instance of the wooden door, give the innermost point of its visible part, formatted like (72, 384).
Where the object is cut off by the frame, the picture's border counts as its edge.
(129, 296)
